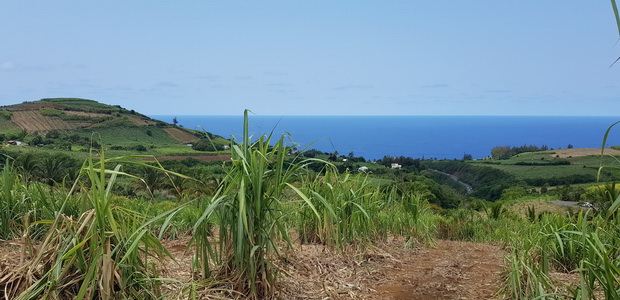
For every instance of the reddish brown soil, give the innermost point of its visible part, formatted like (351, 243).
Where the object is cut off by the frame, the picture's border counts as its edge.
(86, 114)
(181, 135)
(452, 270)
(140, 121)
(34, 107)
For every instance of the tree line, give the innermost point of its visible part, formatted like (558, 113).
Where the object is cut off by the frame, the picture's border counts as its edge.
(506, 152)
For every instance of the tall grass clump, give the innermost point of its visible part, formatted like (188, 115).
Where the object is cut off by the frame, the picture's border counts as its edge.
(23, 202)
(348, 206)
(108, 252)
(411, 217)
(247, 213)
(584, 244)
(588, 243)
(525, 278)
(354, 212)
(14, 203)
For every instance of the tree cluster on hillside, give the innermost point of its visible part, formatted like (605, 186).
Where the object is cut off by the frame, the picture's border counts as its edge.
(14, 136)
(49, 168)
(561, 180)
(401, 160)
(445, 180)
(431, 190)
(542, 162)
(506, 152)
(204, 145)
(488, 182)
(56, 139)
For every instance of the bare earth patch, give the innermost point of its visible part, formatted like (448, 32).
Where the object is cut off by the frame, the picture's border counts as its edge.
(452, 270)
(578, 152)
(140, 121)
(181, 135)
(86, 114)
(10, 254)
(34, 121)
(180, 268)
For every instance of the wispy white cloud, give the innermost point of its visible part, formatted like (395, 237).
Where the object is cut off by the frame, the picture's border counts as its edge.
(208, 77)
(276, 73)
(74, 66)
(353, 87)
(278, 85)
(13, 66)
(7, 65)
(166, 84)
(435, 86)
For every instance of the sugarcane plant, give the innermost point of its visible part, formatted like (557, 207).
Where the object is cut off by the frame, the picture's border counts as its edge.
(108, 252)
(247, 213)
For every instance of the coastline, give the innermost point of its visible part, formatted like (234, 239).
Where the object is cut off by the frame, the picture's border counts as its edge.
(441, 137)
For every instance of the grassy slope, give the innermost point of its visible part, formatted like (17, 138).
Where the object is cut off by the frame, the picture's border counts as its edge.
(8, 127)
(130, 136)
(121, 128)
(584, 165)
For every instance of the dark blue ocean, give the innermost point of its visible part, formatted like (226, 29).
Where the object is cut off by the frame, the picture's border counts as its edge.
(415, 136)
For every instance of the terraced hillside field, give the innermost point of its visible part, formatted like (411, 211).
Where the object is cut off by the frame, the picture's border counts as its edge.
(34, 121)
(181, 135)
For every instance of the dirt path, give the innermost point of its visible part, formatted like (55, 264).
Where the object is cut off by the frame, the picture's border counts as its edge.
(452, 270)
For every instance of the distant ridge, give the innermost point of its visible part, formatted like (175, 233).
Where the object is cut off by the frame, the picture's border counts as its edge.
(69, 114)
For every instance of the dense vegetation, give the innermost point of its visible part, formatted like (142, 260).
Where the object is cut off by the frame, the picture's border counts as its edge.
(92, 226)
(505, 152)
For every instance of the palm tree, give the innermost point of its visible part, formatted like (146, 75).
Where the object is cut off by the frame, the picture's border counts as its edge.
(54, 168)
(27, 165)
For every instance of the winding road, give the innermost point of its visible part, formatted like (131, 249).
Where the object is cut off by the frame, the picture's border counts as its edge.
(469, 188)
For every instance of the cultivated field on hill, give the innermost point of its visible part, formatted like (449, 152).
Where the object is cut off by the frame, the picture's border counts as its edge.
(33, 121)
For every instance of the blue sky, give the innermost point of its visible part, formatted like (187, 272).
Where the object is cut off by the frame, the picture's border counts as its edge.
(315, 57)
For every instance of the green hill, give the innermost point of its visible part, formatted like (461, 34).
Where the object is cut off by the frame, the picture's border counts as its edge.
(77, 125)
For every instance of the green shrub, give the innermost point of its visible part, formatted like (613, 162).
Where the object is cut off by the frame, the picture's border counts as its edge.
(122, 122)
(51, 112)
(6, 114)
(204, 145)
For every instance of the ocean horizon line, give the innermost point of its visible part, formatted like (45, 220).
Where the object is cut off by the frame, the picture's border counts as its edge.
(373, 137)
(276, 115)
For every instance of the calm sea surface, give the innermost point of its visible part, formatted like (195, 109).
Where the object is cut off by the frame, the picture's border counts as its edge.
(416, 136)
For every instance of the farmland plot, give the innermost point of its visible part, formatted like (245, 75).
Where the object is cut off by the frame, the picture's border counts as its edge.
(181, 135)
(33, 121)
